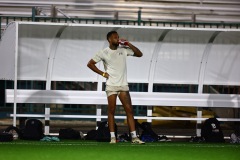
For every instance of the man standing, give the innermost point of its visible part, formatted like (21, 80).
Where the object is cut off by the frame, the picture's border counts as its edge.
(114, 60)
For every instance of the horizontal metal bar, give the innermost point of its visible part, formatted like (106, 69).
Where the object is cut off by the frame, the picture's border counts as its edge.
(124, 117)
(138, 98)
(126, 5)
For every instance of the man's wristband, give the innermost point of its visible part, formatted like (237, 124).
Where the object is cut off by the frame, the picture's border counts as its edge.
(103, 74)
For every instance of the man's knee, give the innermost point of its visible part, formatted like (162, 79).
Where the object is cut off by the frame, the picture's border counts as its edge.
(129, 110)
(111, 110)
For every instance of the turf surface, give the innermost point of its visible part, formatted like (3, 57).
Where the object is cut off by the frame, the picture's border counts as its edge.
(91, 150)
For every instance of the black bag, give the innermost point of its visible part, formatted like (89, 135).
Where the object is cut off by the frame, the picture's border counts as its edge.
(17, 133)
(33, 130)
(103, 133)
(147, 131)
(6, 137)
(69, 133)
(91, 135)
(211, 131)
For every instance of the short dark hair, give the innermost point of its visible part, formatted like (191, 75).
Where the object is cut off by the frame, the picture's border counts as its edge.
(110, 33)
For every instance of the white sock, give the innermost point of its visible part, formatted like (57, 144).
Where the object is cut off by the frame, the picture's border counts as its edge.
(133, 134)
(112, 134)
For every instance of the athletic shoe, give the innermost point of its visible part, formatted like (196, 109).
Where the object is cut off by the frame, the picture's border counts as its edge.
(234, 138)
(113, 140)
(55, 139)
(137, 141)
(164, 139)
(46, 138)
(238, 138)
(49, 138)
(81, 135)
(197, 139)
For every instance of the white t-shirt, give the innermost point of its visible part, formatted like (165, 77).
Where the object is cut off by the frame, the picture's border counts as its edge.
(115, 64)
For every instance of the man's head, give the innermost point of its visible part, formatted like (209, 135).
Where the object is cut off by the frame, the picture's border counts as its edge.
(113, 38)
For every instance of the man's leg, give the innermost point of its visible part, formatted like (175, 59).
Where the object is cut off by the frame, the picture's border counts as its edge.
(111, 111)
(127, 104)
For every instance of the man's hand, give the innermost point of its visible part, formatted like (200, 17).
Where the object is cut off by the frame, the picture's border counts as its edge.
(136, 51)
(123, 42)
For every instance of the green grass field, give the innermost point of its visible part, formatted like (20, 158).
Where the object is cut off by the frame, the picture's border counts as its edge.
(91, 150)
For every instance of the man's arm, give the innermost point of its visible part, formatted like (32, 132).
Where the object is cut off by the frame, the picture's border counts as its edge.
(92, 65)
(136, 51)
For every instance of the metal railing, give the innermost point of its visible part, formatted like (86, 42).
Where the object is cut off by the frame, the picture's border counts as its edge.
(5, 20)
